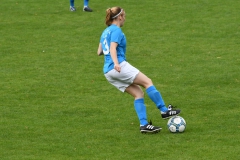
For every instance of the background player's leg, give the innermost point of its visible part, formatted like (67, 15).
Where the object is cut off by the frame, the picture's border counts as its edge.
(72, 8)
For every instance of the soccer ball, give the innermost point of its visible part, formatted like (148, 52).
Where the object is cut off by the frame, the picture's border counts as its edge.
(176, 124)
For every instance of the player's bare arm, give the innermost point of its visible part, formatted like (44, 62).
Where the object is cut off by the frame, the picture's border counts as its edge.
(100, 50)
(113, 52)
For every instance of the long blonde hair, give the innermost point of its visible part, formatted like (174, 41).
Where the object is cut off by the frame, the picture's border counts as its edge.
(111, 14)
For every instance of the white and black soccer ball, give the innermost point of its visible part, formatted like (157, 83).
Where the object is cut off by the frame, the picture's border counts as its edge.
(176, 124)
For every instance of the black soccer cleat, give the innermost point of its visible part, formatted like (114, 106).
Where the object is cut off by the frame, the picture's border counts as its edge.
(170, 113)
(87, 9)
(149, 128)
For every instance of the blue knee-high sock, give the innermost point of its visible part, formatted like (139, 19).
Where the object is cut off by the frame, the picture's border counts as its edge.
(156, 97)
(141, 111)
(72, 3)
(86, 3)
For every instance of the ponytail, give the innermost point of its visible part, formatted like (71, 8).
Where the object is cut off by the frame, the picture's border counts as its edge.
(111, 14)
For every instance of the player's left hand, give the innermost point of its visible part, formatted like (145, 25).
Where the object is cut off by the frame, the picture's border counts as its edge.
(117, 67)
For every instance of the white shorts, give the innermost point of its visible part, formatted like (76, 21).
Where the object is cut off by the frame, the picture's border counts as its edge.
(123, 79)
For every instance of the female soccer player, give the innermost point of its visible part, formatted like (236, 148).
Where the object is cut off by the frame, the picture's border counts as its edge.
(123, 75)
(85, 7)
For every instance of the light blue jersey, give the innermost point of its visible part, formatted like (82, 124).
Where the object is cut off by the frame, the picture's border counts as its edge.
(113, 33)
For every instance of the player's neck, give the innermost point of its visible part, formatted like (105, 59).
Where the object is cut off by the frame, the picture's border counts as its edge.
(117, 23)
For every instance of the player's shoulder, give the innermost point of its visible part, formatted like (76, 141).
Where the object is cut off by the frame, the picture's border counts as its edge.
(111, 29)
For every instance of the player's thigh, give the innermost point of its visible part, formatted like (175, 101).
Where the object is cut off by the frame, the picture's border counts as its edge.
(142, 80)
(135, 91)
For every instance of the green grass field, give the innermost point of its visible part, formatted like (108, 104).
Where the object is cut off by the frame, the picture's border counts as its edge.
(55, 103)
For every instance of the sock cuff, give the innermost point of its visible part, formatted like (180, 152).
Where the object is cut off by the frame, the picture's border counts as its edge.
(151, 88)
(141, 100)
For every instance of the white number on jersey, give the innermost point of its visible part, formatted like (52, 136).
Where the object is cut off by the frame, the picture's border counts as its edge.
(106, 47)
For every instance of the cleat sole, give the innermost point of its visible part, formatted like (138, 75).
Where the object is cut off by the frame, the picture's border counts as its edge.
(145, 131)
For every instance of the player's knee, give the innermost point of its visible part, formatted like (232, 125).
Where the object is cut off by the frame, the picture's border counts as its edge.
(149, 83)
